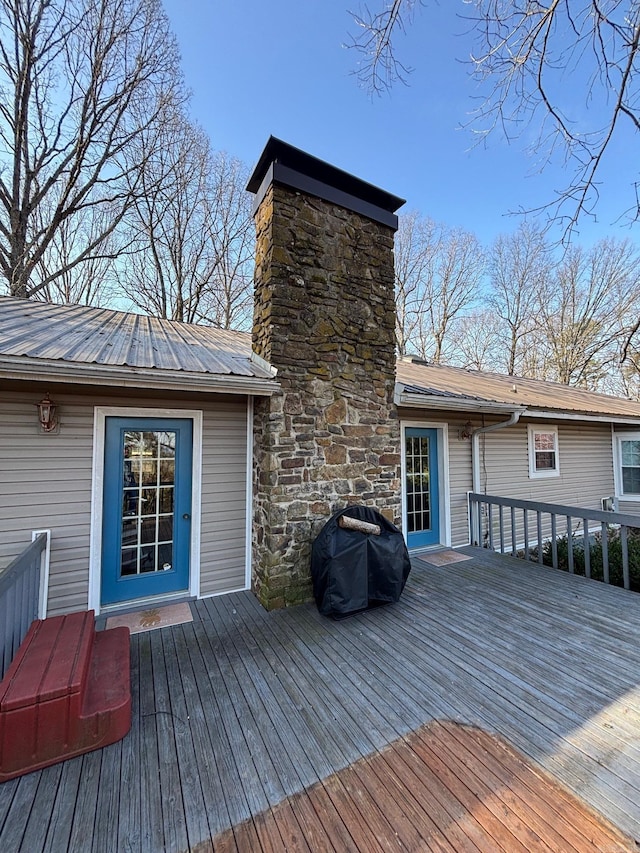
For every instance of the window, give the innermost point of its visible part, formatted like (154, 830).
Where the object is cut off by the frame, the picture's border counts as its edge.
(543, 452)
(630, 464)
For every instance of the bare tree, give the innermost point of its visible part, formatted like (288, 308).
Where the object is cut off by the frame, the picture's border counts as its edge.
(414, 247)
(82, 81)
(91, 281)
(519, 266)
(583, 311)
(568, 69)
(438, 277)
(380, 67)
(478, 342)
(191, 232)
(231, 232)
(171, 264)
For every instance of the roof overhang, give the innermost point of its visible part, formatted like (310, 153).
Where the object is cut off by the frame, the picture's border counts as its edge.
(457, 404)
(22, 368)
(446, 403)
(581, 416)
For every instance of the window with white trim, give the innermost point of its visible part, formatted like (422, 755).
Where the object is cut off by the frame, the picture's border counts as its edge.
(629, 456)
(543, 452)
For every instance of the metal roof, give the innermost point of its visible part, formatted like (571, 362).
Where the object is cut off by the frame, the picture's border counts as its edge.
(420, 379)
(74, 336)
(103, 346)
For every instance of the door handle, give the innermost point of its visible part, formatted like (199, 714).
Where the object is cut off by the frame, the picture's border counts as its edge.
(186, 516)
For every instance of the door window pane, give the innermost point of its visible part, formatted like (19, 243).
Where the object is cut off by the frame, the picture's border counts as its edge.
(148, 488)
(418, 492)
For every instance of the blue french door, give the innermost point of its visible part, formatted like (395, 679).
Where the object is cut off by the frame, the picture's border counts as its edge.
(146, 528)
(421, 487)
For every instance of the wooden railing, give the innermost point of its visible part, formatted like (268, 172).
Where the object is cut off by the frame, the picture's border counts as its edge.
(523, 527)
(19, 598)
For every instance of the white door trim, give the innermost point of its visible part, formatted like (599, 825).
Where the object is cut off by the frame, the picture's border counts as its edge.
(100, 414)
(442, 431)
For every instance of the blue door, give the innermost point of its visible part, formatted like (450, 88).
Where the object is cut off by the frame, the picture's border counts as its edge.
(146, 529)
(422, 498)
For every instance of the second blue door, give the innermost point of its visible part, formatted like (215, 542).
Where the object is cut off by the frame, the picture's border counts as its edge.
(146, 530)
(421, 487)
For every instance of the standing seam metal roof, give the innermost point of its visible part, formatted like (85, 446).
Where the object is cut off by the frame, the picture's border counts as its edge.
(459, 384)
(84, 335)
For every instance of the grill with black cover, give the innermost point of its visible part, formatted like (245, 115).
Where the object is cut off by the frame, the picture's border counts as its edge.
(353, 570)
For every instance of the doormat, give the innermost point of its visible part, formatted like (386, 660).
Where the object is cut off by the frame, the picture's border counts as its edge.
(155, 617)
(442, 558)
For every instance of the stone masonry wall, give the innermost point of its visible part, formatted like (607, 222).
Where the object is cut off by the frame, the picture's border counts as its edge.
(324, 317)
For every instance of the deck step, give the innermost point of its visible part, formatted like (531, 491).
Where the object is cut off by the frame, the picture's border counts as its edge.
(66, 692)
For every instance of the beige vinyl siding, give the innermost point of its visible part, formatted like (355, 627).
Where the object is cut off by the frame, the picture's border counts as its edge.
(460, 479)
(586, 475)
(632, 507)
(45, 483)
(585, 460)
(224, 496)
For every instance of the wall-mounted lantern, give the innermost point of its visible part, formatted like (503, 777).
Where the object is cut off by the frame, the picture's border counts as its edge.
(466, 432)
(47, 414)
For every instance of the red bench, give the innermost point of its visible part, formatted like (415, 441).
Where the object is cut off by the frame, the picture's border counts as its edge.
(66, 692)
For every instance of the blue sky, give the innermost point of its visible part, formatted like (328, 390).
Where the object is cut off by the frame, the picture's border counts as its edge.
(261, 67)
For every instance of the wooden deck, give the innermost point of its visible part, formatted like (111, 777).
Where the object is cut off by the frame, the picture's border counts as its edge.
(238, 715)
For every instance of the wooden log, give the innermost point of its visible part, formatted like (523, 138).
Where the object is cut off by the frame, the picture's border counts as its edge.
(362, 526)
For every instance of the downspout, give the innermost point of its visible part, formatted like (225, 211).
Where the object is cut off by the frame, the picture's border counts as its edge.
(475, 444)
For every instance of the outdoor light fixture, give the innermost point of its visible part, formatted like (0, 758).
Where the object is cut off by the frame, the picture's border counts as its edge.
(466, 431)
(47, 414)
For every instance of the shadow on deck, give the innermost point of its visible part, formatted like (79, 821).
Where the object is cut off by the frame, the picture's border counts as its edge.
(240, 709)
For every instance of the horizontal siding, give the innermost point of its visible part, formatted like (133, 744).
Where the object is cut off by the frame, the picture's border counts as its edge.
(460, 479)
(631, 507)
(585, 456)
(585, 459)
(224, 471)
(45, 483)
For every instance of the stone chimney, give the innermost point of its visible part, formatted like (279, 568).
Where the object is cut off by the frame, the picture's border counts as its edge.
(324, 317)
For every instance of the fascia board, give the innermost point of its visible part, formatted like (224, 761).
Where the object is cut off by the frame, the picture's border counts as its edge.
(546, 414)
(422, 401)
(91, 374)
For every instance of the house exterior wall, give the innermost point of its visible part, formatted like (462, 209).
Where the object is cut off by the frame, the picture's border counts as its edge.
(585, 461)
(46, 483)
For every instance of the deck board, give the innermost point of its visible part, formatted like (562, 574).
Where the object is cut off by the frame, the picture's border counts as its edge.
(130, 812)
(243, 721)
(59, 828)
(437, 804)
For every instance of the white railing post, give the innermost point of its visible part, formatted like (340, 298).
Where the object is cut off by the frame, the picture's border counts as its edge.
(45, 557)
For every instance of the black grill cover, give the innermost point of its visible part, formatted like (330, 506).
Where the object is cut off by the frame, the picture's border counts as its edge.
(351, 570)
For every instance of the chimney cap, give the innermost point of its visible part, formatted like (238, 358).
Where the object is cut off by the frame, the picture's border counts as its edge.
(294, 167)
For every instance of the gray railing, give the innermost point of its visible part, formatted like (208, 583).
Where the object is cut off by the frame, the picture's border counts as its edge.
(522, 527)
(19, 599)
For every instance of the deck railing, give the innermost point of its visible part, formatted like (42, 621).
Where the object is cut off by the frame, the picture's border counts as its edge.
(20, 586)
(529, 528)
